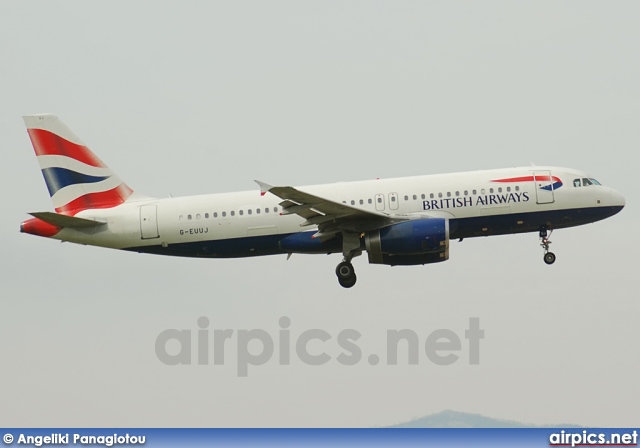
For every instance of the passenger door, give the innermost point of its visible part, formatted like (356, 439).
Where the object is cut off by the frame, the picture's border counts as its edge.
(149, 222)
(544, 187)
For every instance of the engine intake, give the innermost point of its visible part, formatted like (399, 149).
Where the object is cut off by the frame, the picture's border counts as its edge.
(421, 241)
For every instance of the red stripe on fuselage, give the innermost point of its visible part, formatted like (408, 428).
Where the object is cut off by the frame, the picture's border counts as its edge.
(528, 179)
(47, 143)
(104, 199)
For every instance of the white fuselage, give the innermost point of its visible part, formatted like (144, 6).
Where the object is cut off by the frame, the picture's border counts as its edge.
(466, 197)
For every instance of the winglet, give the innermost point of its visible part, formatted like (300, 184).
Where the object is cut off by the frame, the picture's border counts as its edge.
(264, 188)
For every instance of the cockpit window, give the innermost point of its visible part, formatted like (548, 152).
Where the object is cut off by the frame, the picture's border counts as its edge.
(584, 182)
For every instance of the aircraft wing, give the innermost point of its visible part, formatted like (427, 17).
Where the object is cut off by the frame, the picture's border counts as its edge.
(330, 216)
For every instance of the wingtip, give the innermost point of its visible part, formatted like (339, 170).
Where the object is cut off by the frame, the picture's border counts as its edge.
(264, 187)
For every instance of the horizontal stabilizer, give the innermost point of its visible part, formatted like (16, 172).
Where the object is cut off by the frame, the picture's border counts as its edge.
(59, 220)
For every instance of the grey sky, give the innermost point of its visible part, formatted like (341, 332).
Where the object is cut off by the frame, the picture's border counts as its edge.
(199, 97)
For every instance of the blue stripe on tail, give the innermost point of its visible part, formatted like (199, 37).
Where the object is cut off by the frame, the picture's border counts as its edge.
(58, 178)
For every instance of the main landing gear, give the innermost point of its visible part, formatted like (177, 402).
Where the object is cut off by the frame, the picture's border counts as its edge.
(549, 257)
(350, 248)
(346, 274)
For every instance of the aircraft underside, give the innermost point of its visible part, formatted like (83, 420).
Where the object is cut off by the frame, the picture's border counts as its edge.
(542, 222)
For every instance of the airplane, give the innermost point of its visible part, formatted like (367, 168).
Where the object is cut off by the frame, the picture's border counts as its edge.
(398, 222)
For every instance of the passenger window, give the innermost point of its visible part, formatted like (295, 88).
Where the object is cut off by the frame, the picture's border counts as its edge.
(361, 202)
(415, 197)
(576, 183)
(353, 202)
(224, 214)
(483, 191)
(423, 196)
(508, 189)
(189, 217)
(393, 199)
(233, 213)
(439, 195)
(266, 210)
(431, 196)
(466, 192)
(181, 218)
(490, 190)
(215, 214)
(275, 209)
(198, 216)
(206, 216)
(241, 212)
(475, 192)
(406, 198)
(379, 200)
(499, 189)
(258, 211)
(517, 188)
(448, 194)
(249, 212)
(370, 201)
(457, 193)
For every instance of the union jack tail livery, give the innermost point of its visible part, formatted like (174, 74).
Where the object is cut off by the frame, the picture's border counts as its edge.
(76, 178)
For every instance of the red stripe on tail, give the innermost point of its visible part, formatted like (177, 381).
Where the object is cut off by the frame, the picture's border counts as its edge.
(50, 144)
(105, 199)
(35, 226)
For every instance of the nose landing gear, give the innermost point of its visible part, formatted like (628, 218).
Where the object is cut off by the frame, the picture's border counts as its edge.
(549, 257)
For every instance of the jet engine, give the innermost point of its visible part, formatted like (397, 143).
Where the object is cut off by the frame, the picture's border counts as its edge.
(419, 241)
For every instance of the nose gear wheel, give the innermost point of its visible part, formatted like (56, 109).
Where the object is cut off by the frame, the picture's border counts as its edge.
(549, 257)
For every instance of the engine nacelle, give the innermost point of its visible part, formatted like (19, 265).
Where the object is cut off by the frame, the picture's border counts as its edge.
(420, 241)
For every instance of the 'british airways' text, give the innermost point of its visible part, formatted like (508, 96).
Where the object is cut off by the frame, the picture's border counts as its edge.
(483, 200)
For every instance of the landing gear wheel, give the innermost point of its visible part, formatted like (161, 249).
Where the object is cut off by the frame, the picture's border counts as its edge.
(346, 274)
(549, 258)
(348, 283)
(345, 270)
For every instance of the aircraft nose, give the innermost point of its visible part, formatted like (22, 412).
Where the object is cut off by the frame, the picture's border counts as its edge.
(617, 199)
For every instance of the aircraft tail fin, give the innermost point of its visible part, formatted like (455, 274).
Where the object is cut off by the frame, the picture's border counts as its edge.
(76, 178)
